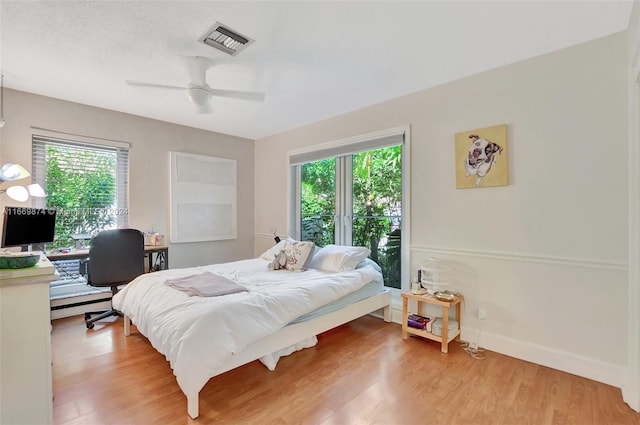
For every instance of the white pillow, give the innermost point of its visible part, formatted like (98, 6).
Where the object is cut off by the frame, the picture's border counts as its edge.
(369, 262)
(299, 255)
(270, 253)
(338, 258)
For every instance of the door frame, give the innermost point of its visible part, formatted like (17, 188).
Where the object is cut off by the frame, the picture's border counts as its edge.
(293, 176)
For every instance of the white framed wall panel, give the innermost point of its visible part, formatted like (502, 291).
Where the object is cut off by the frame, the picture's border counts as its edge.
(203, 198)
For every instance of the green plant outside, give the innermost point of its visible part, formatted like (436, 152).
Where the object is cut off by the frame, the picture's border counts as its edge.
(377, 206)
(318, 201)
(84, 197)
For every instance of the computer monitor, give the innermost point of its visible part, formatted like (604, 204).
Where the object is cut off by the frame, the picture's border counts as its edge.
(25, 226)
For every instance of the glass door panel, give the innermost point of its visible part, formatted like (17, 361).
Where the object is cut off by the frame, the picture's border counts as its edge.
(377, 208)
(318, 201)
(356, 199)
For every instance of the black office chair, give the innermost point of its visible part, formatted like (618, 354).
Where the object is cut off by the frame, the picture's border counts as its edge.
(116, 257)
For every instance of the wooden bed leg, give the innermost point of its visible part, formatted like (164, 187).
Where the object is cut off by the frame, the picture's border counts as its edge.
(387, 314)
(192, 406)
(127, 326)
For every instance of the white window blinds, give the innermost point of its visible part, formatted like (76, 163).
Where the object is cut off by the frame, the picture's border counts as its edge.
(318, 154)
(88, 183)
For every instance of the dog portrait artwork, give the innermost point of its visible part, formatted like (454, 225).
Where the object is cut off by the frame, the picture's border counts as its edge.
(481, 158)
(482, 155)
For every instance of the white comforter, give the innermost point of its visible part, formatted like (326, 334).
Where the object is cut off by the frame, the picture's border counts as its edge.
(198, 334)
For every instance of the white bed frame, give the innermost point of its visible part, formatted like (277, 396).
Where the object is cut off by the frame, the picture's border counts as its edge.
(292, 334)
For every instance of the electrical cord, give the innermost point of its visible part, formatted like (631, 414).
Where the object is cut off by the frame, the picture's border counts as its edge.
(472, 348)
(477, 353)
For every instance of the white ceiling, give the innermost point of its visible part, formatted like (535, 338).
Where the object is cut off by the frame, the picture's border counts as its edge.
(313, 59)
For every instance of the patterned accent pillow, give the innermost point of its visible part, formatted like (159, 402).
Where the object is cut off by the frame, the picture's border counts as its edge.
(299, 255)
(270, 253)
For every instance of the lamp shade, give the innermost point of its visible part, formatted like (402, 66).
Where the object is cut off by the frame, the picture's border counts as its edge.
(18, 193)
(10, 172)
(36, 190)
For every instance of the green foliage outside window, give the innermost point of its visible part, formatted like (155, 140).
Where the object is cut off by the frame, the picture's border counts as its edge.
(81, 185)
(318, 201)
(377, 205)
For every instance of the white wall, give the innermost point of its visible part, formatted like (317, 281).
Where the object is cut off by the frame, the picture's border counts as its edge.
(151, 142)
(631, 389)
(546, 255)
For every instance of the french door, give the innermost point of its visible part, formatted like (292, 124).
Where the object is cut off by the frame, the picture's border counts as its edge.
(356, 198)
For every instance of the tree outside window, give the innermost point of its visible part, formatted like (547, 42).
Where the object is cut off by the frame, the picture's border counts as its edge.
(376, 205)
(86, 184)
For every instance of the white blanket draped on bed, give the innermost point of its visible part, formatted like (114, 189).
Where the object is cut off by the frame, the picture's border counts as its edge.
(197, 334)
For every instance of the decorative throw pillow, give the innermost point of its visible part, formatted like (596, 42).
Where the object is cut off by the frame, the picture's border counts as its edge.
(270, 253)
(339, 258)
(299, 255)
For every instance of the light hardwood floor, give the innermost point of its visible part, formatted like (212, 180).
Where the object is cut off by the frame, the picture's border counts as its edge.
(359, 373)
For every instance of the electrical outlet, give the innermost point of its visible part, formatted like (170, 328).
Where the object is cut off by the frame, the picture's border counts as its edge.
(473, 346)
(482, 313)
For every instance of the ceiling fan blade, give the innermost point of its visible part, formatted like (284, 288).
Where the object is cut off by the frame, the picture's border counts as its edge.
(161, 86)
(238, 94)
(197, 67)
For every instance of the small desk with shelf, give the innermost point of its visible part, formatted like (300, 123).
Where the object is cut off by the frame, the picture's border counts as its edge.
(153, 254)
(161, 254)
(70, 293)
(445, 305)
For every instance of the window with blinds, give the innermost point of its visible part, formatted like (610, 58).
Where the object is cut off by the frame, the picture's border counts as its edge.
(87, 183)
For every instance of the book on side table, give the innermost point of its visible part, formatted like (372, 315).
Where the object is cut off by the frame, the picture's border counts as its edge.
(419, 322)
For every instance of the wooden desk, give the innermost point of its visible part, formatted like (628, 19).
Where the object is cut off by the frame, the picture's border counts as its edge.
(161, 254)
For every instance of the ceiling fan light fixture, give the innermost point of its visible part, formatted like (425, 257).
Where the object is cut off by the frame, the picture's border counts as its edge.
(199, 95)
(204, 109)
(225, 39)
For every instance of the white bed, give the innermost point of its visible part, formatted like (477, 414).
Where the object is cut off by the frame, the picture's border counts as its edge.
(205, 336)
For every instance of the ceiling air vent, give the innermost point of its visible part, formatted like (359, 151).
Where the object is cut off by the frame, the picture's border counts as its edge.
(223, 38)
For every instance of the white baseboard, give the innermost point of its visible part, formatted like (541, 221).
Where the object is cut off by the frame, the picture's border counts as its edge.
(631, 398)
(585, 367)
(575, 364)
(75, 311)
(61, 306)
(596, 263)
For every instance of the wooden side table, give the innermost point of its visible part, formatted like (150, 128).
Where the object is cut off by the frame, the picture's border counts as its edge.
(430, 299)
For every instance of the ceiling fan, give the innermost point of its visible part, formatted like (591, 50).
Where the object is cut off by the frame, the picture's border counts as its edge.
(198, 91)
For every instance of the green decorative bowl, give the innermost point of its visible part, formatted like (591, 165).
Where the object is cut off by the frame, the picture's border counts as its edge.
(19, 261)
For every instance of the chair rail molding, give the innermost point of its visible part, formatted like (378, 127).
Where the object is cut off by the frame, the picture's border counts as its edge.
(529, 258)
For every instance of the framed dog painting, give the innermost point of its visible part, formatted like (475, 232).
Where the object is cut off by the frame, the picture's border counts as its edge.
(481, 157)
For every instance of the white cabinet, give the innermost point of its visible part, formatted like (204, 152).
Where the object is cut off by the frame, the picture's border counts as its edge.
(26, 395)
